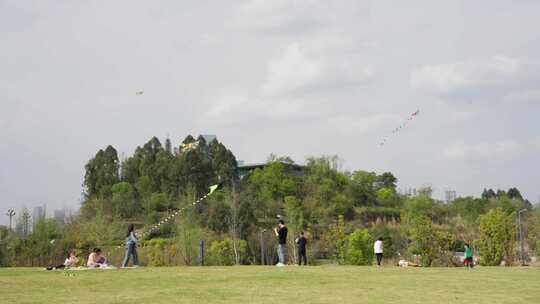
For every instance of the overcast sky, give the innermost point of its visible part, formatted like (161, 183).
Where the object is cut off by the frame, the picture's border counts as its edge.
(297, 78)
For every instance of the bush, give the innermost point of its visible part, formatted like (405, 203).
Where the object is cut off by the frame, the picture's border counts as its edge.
(160, 252)
(496, 237)
(395, 240)
(429, 242)
(222, 252)
(359, 248)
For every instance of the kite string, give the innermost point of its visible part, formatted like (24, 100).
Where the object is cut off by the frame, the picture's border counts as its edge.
(173, 215)
(401, 126)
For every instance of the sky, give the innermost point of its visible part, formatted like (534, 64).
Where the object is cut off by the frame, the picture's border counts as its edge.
(296, 78)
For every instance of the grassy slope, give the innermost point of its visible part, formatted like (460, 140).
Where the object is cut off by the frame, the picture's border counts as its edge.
(255, 284)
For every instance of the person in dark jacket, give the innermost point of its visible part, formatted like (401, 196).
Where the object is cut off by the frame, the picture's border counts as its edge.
(301, 241)
(281, 233)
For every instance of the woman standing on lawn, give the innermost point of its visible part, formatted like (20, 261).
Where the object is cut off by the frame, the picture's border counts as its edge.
(131, 247)
(378, 249)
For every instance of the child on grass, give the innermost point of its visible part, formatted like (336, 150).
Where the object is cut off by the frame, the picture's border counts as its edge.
(469, 254)
(71, 261)
(96, 259)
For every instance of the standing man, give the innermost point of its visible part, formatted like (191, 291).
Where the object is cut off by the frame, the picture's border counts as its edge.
(281, 233)
(378, 248)
(301, 241)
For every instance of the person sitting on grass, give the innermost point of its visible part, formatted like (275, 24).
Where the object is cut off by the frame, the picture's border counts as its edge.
(71, 261)
(96, 259)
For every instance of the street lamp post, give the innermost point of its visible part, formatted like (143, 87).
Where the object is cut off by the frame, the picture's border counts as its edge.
(521, 236)
(11, 213)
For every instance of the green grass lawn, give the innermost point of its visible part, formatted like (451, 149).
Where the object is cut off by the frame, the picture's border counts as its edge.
(257, 284)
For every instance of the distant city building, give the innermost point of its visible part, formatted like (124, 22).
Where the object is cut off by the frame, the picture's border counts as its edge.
(38, 214)
(414, 192)
(409, 192)
(449, 195)
(60, 216)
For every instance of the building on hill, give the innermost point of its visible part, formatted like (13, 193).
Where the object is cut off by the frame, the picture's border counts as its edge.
(246, 169)
(209, 137)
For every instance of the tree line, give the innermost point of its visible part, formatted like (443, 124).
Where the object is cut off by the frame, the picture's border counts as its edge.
(341, 212)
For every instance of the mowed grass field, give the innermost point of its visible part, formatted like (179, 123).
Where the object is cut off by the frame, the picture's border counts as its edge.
(258, 284)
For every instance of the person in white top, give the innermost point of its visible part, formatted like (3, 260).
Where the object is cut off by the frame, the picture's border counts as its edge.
(378, 248)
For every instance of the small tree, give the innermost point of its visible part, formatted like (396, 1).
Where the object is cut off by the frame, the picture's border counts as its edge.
(359, 249)
(496, 237)
(424, 239)
(337, 239)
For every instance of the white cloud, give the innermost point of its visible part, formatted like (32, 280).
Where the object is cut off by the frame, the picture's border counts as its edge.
(236, 106)
(497, 76)
(288, 16)
(503, 150)
(300, 68)
(525, 96)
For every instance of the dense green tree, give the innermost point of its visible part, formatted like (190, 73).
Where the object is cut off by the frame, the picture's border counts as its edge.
(501, 193)
(297, 214)
(123, 198)
(159, 202)
(388, 197)
(327, 188)
(363, 190)
(144, 190)
(223, 163)
(102, 172)
(469, 208)
(386, 180)
(129, 169)
(513, 193)
(428, 241)
(496, 237)
(488, 194)
(422, 206)
(359, 248)
(273, 182)
(218, 217)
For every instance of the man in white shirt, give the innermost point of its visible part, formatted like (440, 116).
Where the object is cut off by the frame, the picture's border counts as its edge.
(378, 248)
